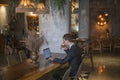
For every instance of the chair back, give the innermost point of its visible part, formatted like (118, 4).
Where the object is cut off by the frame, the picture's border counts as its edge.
(79, 70)
(66, 74)
(116, 44)
(96, 46)
(107, 44)
(22, 55)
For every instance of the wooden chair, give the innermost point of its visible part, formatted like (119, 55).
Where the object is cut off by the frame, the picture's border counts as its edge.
(116, 44)
(77, 76)
(22, 55)
(66, 74)
(12, 56)
(8, 52)
(107, 44)
(96, 46)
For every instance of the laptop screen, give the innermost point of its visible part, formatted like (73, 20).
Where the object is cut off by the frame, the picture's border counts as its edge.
(47, 53)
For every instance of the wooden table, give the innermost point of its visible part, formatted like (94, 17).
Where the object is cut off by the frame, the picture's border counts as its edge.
(27, 70)
(39, 73)
(16, 71)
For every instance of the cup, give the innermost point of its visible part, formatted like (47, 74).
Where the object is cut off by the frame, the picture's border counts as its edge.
(62, 46)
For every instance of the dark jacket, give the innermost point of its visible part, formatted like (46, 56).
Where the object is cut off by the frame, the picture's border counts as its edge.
(73, 58)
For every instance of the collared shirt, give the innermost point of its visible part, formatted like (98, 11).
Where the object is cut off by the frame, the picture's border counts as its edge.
(71, 45)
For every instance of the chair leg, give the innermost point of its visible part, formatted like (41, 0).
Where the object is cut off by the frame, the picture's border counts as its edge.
(8, 62)
(80, 78)
(20, 56)
(110, 50)
(84, 75)
(2, 76)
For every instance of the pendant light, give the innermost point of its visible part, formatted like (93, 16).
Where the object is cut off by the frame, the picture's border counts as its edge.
(25, 6)
(42, 7)
(4, 2)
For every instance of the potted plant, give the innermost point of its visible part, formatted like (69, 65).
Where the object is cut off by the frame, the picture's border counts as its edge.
(33, 43)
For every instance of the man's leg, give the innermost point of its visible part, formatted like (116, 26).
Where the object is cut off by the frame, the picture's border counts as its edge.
(58, 74)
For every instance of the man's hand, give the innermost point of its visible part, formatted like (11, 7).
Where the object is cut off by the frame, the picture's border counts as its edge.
(51, 58)
(64, 47)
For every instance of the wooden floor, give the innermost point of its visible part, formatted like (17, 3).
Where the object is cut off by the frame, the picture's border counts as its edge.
(106, 67)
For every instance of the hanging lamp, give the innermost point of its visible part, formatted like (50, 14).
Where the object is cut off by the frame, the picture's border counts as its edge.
(25, 6)
(42, 8)
(4, 2)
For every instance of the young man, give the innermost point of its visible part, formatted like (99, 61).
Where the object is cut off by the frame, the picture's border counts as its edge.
(73, 56)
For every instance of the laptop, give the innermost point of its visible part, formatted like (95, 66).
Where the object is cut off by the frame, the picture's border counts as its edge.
(47, 53)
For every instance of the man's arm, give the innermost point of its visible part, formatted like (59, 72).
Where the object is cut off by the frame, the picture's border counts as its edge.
(66, 50)
(65, 59)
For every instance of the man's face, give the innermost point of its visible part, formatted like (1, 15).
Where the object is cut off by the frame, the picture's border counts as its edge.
(65, 42)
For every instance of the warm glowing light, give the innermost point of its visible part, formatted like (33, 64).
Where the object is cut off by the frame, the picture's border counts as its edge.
(41, 9)
(37, 32)
(32, 14)
(100, 16)
(3, 16)
(41, 6)
(2, 8)
(25, 6)
(75, 5)
(105, 22)
(101, 69)
(98, 22)
(101, 24)
(102, 19)
(106, 14)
